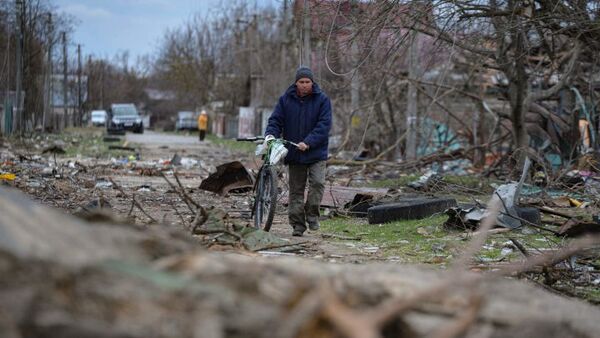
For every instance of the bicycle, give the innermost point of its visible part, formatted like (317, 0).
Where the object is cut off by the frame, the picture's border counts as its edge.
(265, 186)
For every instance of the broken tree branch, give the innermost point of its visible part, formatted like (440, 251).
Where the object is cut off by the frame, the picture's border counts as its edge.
(182, 196)
(520, 247)
(133, 200)
(554, 212)
(373, 160)
(137, 204)
(546, 93)
(180, 216)
(185, 195)
(550, 259)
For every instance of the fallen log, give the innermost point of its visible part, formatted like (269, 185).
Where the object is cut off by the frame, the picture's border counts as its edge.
(64, 277)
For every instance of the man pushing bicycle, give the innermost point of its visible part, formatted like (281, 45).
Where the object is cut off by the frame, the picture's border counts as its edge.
(303, 116)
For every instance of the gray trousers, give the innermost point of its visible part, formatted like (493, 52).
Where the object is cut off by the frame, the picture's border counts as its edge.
(299, 211)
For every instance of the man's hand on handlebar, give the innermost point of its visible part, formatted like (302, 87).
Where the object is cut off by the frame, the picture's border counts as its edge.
(268, 139)
(303, 146)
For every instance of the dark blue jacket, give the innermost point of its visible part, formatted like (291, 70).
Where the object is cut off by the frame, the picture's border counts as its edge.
(306, 119)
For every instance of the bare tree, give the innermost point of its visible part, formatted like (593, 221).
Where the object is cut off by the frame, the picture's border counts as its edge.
(524, 52)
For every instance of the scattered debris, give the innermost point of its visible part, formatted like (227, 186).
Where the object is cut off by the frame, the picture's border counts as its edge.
(93, 209)
(576, 228)
(530, 215)
(103, 184)
(370, 249)
(188, 163)
(144, 188)
(219, 228)
(507, 194)
(592, 186)
(359, 205)
(176, 159)
(470, 217)
(339, 196)
(111, 139)
(49, 172)
(121, 148)
(464, 218)
(424, 182)
(54, 149)
(259, 240)
(229, 176)
(7, 177)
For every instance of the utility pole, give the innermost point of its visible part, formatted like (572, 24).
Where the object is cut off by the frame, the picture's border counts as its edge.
(101, 84)
(65, 98)
(284, 42)
(79, 110)
(18, 126)
(412, 98)
(255, 71)
(7, 102)
(48, 96)
(89, 72)
(356, 122)
(306, 52)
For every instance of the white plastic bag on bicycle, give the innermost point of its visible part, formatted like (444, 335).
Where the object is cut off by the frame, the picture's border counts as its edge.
(261, 149)
(278, 152)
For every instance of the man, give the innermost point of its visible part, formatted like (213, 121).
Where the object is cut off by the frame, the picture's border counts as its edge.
(202, 125)
(303, 116)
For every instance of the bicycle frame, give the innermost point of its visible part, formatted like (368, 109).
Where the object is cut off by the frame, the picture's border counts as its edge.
(265, 186)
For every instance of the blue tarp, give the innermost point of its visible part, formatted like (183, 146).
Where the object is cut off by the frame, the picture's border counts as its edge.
(436, 136)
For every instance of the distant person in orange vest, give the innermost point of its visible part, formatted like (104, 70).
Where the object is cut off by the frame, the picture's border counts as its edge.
(202, 125)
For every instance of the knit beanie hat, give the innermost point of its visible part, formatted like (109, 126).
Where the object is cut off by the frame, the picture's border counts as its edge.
(304, 72)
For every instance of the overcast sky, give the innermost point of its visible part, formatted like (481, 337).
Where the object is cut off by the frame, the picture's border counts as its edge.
(105, 27)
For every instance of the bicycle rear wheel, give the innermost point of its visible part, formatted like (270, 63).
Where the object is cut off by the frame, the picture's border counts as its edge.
(265, 200)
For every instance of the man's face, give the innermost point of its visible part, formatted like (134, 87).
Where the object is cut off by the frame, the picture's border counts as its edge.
(304, 86)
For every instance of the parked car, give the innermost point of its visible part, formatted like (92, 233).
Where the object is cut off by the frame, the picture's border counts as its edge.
(124, 116)
(99, 117)
(187, 120)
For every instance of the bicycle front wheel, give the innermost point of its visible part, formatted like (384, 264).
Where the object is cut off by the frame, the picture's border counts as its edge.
(265, 200)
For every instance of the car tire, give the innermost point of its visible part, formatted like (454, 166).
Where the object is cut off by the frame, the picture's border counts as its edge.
(408, 209)
(529, 214)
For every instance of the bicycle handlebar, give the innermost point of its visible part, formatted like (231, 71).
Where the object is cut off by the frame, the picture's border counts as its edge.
(261, 138)
(250, 139)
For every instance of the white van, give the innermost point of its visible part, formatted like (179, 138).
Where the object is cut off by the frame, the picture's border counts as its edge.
(99, 117)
